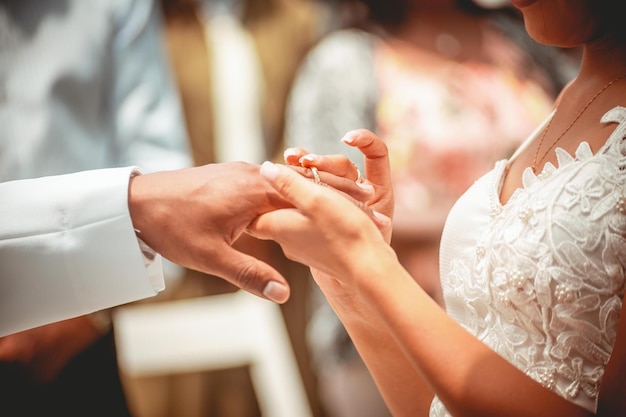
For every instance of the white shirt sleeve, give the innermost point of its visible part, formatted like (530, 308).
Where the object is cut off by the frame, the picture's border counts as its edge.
(68, 248)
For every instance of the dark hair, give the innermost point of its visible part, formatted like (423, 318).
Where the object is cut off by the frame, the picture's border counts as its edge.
(386, 12)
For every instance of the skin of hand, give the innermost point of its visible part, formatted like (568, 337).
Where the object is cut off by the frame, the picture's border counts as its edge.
(356, 217)
(44, 351)
(193, 216)
(333, 216)
(377, 170)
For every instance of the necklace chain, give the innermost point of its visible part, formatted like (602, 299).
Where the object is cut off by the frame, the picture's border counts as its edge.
(543, 136)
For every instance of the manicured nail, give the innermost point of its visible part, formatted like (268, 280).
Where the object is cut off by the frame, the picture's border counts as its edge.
(309, 157)
(276, 292)
(381, 217)
(289, 152)
(349, 137)
(366, 186)
(269, 170)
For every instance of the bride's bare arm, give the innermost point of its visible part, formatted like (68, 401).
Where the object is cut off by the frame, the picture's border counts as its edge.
(401, 333)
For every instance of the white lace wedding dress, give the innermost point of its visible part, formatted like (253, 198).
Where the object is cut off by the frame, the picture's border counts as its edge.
(540, 279)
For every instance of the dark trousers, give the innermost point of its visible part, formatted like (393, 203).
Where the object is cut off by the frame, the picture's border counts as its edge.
(89, 386)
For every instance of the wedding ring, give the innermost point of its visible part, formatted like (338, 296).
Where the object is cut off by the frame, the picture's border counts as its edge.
(359, 178)
(316, 175)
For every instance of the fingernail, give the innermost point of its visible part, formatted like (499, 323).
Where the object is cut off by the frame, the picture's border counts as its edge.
(381, 217)
(365, 186)
(276, 292)
(269, 170)
(289, 152)
(309, 157)
(349, 137)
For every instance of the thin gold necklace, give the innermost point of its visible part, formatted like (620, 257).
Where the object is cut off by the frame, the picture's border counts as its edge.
(543, 136)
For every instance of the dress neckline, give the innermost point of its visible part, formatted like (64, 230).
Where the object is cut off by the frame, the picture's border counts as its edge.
(583, 151)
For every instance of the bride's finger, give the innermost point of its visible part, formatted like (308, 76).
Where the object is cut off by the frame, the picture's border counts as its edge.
(313, 199)
(363, 192)
(339, 165)
(377, 169)
(292, 155)
(376, 163)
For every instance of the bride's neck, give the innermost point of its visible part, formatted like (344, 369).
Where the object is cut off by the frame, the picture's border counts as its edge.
(602, 60)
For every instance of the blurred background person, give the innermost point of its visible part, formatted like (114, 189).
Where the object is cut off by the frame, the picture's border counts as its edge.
(451, 87)
(83, 85)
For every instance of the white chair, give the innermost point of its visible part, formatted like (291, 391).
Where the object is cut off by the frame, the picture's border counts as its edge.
(215, 332)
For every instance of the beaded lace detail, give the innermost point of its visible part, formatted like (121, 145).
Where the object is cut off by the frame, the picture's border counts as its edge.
(545, 283)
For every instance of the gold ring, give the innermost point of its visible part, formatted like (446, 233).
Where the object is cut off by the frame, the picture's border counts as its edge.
(316, 175)
(359, 178)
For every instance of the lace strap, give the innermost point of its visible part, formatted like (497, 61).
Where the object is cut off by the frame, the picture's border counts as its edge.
(616, 144)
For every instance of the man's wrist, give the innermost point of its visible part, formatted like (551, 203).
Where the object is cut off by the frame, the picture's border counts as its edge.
(133, 207)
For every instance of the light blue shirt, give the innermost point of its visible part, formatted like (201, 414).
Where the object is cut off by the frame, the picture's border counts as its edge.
(86, 85)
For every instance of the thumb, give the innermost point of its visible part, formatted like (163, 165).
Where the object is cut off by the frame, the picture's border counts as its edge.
(251, 274)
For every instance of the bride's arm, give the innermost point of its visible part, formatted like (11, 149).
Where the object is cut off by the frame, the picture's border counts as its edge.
(400, 332)
(402, 387)
(404, 390)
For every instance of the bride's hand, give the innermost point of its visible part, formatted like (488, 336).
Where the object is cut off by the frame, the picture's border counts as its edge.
(325, 230)
(374, 190)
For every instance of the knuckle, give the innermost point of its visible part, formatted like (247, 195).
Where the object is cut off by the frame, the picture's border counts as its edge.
(371, 144)
(248, 277)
